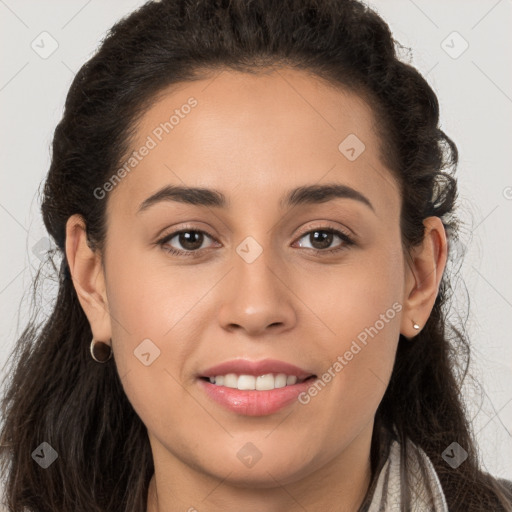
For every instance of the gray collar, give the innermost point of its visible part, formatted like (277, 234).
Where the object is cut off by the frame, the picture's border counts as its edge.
(425, 491)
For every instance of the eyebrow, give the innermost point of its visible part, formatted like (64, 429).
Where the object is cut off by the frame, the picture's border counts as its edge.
(304, 195)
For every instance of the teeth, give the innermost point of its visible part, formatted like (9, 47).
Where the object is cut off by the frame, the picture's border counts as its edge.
(230, 380)
(264, 382)
(280, 380)
(290, 380)
(248, 382)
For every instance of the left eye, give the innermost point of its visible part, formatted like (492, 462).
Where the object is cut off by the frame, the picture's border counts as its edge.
(325, 239)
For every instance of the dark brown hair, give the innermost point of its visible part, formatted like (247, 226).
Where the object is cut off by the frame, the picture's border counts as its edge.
(57, 394)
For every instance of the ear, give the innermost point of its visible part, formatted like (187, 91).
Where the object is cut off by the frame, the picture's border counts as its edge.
(423, 273)
(86, 270)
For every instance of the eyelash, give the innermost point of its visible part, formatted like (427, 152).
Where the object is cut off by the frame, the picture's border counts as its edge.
(348, 241)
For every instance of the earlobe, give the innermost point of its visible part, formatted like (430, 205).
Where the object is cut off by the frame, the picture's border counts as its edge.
(423, 272)
(86, 270)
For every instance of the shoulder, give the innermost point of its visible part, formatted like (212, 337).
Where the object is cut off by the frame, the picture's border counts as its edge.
(507, 486)
(506, 483)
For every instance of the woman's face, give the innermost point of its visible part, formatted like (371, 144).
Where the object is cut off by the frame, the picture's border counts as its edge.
(247, 284)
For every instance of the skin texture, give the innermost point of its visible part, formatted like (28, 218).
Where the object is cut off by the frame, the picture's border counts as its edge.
(254, 137)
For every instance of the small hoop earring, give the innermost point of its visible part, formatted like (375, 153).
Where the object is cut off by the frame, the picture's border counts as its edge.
(101, 352)
(415, 325)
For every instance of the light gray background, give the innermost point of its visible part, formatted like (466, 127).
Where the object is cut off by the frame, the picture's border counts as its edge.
(475, 95)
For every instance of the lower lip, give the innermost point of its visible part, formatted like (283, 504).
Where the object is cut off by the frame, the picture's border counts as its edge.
(254, 402)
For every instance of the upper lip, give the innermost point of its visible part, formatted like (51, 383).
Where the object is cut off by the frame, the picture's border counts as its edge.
(255, 368)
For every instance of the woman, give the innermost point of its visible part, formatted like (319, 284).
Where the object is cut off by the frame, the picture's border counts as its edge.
(254, 213)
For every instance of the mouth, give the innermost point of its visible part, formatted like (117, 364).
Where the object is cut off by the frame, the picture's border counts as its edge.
(254, 388)
(254, 402)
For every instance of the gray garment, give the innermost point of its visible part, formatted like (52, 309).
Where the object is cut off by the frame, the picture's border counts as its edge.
(426, 492)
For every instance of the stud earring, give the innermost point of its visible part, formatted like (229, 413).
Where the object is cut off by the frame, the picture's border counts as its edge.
(415, 325)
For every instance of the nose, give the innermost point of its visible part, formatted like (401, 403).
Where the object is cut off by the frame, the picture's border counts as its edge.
(257, 298)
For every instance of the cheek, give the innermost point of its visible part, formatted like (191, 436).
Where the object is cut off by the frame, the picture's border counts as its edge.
(360, 294)
(147, 297)
(154, 311)
(358, 316)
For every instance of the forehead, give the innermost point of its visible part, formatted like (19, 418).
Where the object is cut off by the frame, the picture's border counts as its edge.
(260, 134)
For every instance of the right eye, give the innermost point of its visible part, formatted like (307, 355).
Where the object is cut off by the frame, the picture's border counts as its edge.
(190, 239)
